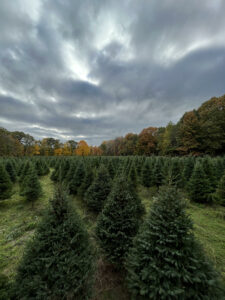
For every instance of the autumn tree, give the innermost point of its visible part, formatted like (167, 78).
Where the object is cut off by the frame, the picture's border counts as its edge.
(147, 141)
(82, 149)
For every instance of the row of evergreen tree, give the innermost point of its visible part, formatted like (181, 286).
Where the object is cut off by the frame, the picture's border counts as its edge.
(160, 258)
(202, 178)
(24, 172)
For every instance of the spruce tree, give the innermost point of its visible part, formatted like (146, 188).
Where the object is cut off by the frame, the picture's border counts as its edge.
(58, 262)
(199, 188)
(119, 221)
(98, 191)
(5, 184)
(166, 262)
(219, 195)
(32, 189)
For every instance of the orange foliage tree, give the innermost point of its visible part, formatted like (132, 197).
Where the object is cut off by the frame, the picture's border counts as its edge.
(83, 149)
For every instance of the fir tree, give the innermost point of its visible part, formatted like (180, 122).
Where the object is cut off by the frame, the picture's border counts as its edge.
(187, 171)
(77, 179)
(157, 173)
(199, 188)
(219, 195)
(173, 173)
(58, 262)
(146, 174)
(211, 172)
(165, 261)
(5, 184)
(132, 175)
(88, 179)
(11, 171)
(98, 191)
(119, 221)
(32, 189)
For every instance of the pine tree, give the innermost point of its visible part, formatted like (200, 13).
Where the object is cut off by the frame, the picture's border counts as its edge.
(199, 188)
(119, 221)
(5, 184)
(32, 189)
(146, 174)
(219, 195)
(165, 261)
(98, 191)
(58, 263)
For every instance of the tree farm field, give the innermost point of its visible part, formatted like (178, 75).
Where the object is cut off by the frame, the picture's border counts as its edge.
(19, 219)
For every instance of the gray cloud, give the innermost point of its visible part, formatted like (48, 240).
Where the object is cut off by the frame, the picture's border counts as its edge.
(98, 69)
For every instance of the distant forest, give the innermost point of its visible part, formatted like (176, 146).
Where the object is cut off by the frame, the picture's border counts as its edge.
(198, 132)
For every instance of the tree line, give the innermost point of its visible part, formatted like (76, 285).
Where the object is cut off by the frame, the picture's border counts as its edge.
(198, 132)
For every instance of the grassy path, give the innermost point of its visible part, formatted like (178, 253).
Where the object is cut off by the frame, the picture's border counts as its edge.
(17, 223)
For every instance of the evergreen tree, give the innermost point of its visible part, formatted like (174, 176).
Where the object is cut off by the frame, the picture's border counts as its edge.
(211, 173)
(146, 174)
(88, 179)
(32, 189)
(157, 173)
(58, 262)
(24, 171)
(199, 188)
(111, 169)
(187, 171)
(132, 175)
(11, 171)
(5, 184)
(165, 261)
(173, 174)
(71, 172)
(77, 179)
(98, 191)
(119, 221)
(219, 195)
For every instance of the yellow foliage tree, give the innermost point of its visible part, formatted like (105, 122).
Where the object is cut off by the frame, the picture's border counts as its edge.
(36, 150)
(66, 149)
(58, 151)
(83, 149)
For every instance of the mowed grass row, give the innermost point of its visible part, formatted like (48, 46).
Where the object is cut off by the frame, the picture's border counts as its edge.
(18, 221)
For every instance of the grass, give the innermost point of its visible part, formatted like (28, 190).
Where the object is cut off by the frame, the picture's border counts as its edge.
(18, 221)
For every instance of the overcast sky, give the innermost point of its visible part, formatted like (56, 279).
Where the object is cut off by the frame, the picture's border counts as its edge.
(98, 69)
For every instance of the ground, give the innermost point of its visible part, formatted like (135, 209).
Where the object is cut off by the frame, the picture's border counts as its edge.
(18, 221)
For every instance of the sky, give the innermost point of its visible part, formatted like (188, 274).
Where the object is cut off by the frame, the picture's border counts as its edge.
(96, 70)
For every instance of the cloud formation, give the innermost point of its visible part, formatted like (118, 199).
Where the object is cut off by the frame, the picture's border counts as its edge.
(97, 69)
